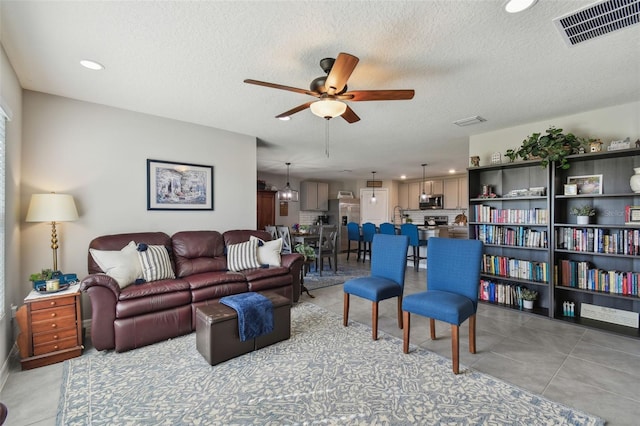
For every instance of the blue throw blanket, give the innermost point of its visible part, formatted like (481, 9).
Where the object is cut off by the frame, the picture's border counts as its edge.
(255, 314)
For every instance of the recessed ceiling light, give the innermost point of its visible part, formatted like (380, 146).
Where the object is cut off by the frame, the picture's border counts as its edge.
(452, 170)
(403, 177)
(515, 6)
(287, 118)
(92, 65)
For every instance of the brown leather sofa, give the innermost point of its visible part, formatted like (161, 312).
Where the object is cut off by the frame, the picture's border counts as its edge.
(142, 314)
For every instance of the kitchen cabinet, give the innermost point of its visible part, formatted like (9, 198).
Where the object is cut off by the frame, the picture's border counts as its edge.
(403, 196)
(434, 187)
(456, 193)
(415, 189)
(314, 196)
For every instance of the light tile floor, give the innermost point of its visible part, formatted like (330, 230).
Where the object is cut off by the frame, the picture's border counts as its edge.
(582, 368)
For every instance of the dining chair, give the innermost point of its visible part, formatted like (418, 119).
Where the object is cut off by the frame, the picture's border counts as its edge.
(285, 234)
(388, 265)
(368, 231)
(273, 231)
(327, 248)
(453, 277)
(388, 228)
(411, 230)
(353, 234)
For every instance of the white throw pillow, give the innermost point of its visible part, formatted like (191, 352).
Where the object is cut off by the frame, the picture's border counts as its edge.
(269, 251)
(121, 265)
(242, 256)
(155, 263)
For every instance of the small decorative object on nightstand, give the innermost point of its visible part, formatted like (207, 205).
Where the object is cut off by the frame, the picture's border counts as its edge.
(50, 327)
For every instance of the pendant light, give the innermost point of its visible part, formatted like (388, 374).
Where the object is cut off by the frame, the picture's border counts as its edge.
(373, 183)
(288, 194)
(423, 197)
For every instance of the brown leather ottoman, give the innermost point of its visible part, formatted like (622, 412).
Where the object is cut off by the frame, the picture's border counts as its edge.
(217, 336)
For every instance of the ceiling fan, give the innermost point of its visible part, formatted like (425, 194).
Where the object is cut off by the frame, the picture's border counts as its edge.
(331, 90)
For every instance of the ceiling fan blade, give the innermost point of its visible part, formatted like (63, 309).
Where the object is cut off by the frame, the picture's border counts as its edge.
(282, 87)
(296, 109)
(340, 73)
(377, 95)
(350, 116)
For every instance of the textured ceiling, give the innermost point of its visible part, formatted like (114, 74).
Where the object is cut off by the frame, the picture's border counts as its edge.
(187, 61)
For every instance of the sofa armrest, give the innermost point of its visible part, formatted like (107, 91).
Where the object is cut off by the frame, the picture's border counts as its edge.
(103, 293)
(294, 262)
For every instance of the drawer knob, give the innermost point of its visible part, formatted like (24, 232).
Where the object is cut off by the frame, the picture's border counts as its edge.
(53, 314)
(55, 347)
(54, 325)
(55, 337)
(53, 303)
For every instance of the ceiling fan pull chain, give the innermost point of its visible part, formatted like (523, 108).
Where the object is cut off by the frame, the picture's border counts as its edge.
(326, 138)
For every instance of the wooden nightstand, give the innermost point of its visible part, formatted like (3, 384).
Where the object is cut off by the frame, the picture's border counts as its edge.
(50, 327)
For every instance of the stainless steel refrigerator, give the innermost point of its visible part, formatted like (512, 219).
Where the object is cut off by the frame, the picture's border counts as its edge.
(341, 212)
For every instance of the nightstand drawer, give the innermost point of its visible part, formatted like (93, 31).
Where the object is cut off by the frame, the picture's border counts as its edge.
(53, 314)
(54, 336)
(54, 346)
(52, 303)
(53, 324)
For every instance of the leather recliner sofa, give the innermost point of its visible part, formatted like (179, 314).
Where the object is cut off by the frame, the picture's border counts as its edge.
(142, 314)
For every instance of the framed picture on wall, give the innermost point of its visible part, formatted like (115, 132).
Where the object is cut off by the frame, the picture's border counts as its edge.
(591, 184)
(179, 186)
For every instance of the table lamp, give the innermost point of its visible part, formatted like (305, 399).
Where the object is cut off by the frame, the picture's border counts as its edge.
(52, 208)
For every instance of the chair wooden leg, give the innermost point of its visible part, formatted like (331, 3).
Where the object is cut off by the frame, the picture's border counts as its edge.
(455, 347)
(432, 328)
(400, 311)
(407, 325)
(472, 334)
(345, 311)
(374, 320)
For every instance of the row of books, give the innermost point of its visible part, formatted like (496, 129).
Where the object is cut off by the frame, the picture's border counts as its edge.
(515, 268)
(507, 294)
(490, 214)
(599, 240)
(519, 236)
(585, 276)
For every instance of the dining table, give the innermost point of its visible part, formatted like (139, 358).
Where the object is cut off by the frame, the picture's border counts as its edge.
(307, 239)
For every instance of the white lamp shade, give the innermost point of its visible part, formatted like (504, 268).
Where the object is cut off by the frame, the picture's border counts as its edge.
(51, 208)
(328, 108)
(515, 6)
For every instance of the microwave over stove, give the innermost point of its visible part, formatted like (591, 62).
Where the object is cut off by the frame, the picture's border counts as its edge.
(433, 202)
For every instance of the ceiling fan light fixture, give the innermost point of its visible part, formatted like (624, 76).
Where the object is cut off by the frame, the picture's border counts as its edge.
(328, 108)
(515, 6)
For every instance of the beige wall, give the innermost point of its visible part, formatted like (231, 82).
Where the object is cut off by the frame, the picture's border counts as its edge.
(98, 154)
(612, 123)
(11, 97)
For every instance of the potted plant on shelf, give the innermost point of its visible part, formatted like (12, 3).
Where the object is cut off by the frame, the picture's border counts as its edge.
(528, 296)
(511, 154)
(553, 146)
(583, 212)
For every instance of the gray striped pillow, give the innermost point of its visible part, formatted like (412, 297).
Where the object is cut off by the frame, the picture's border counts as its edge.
(155, 263)
(242, 256)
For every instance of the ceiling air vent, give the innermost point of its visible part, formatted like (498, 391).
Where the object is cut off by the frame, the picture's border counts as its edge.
(470, 120)
(597, 20)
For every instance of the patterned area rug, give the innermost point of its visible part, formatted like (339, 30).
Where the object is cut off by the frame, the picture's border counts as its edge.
(346, 271)
(325, 374)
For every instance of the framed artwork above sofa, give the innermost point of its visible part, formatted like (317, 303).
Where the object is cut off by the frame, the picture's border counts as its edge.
(179, 186)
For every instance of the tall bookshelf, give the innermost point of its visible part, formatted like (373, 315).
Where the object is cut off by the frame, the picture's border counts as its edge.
(595, 267)
(600, 261)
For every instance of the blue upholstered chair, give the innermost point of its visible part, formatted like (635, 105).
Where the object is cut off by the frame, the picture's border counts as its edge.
(453, 277)
(368, 231)
(388, 265)
(353, 234)
(411, 231)
(387, 228)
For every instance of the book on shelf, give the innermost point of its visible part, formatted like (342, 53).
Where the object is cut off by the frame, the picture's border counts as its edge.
(583, 275)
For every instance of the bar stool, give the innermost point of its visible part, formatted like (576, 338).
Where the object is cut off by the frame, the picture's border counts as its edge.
(388, 228)
(368, 231)
(411, 230)
(353, 234)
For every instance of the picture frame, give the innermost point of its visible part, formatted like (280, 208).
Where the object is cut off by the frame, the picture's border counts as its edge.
(632, 215)
(587, 185)
(374, 184)
(179, 186)
(570, 189)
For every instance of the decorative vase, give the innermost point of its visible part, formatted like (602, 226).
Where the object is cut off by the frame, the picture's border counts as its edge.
(527, 304)
(583, 220)
(634, 182)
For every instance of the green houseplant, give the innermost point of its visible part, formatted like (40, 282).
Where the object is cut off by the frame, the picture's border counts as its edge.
(583, 213)
(552, 146)
(306, 250)
(528, 296)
